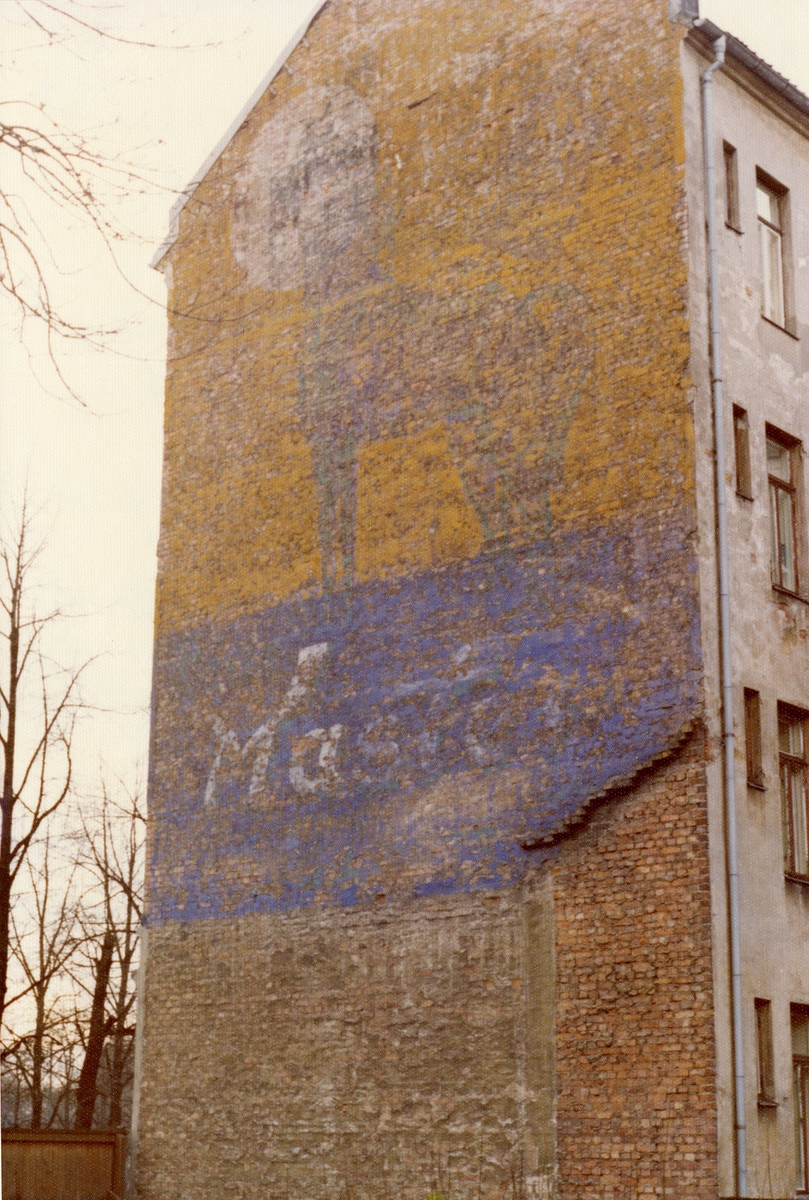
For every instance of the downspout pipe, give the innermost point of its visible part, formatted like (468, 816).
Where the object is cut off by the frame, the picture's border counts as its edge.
(140, 1025)
(725, 659)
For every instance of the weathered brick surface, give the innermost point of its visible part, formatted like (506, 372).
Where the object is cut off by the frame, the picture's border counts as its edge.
(403, 1049)
(429, 414)
(636, 1109)
(427, 587)
(368, 1053)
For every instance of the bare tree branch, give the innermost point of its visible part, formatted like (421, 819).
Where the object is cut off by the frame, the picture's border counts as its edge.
(42, 947)
(36, 777)
(65, 12)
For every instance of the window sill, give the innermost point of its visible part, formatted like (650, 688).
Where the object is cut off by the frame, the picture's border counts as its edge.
(783, 328)
(743, 495)
(766, 1102)
(756, 786)
(733, 228)
(792, 878)
(782, 591)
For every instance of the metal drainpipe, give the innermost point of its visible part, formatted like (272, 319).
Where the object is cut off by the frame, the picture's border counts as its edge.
(140, 1022)
(726, 665)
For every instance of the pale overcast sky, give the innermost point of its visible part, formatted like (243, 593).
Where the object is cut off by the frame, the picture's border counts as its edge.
(96, 470)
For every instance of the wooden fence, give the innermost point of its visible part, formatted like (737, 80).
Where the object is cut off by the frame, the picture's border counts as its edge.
(63, 1165)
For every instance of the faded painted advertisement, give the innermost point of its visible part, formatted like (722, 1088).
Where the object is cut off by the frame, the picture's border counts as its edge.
(427, 587)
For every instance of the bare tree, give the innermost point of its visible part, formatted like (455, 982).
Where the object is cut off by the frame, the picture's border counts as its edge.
(38, 156)
(47, 169)
(113, 854)
(48, 172)
(45, 934)
(96, 1036)
(38, 704)
(68, 1060)
(59, 1074)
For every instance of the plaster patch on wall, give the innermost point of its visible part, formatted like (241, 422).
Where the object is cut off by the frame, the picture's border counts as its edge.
(302, 196)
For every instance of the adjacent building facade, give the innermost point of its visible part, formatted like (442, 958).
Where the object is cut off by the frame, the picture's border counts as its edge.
(762, 210)
(439, 900)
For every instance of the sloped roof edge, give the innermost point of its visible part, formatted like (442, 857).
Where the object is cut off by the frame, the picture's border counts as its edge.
(191, 186)
(756, 65)
(700, 25)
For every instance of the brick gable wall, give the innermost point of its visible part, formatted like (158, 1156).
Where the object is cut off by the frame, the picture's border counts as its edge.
(634, 1024)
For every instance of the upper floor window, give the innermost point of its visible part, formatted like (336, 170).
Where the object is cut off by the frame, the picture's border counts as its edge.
(731, 186)
(752, 738)
(766, 1063)
(792, 728)
(782, 469)
(771, 206)
(741, 441)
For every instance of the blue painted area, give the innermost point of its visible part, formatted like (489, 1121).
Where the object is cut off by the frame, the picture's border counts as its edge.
(465, 710)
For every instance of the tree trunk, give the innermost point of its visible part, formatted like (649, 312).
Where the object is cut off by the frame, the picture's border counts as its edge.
(86, 1096)
(117, 1064)
(8, 797)
(36, 1065)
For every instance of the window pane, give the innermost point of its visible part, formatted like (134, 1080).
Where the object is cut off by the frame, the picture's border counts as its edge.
(798, 801)
(791, 737)
(800, 1031)
(774, 537)
(768, 206)
(785, 735)
(772, 283)
(779, 460)
(793, 772)
(786, 809)
(786, 819)
(787, 540)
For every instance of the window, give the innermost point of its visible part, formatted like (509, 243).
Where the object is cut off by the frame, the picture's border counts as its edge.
(731, 187)
(741, 439)
(800, 1075)
(770, 204)
(792, 762)
(766, 1068)
(782, 462)
(752, 738)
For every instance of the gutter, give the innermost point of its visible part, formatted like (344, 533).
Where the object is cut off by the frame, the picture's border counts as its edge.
(707, 35)
(137, 1083)
(725, 652)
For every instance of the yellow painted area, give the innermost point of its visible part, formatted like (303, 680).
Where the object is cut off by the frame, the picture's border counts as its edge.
(411, 509)
(270, 549)
(476, 338)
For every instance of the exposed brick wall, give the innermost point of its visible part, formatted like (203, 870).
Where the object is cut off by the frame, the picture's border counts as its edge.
(427, 583)
(429, 413)
(635, 1033)
(405, 1049)
(366, 1053)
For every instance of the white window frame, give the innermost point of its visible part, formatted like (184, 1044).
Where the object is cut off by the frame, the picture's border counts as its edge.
(794, 777)
(784, 515)
(770, 211)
